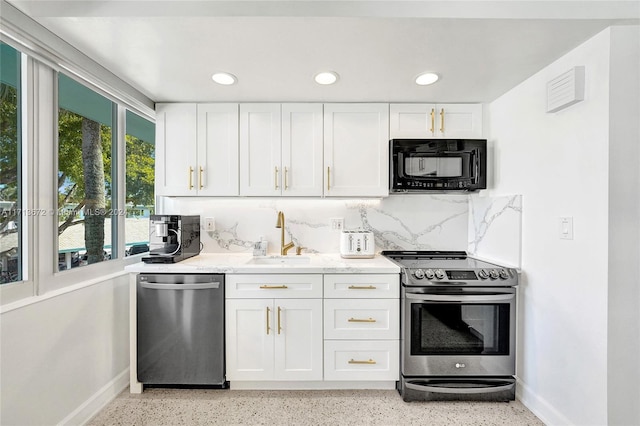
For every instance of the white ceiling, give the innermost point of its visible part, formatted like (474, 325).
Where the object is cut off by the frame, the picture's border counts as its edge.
(169, 49)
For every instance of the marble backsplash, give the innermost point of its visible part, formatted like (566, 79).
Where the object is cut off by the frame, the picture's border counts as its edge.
(495, 229)
(399, 222)
(487, 227)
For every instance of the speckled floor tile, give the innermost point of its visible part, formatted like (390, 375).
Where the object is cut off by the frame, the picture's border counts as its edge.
(339, 407)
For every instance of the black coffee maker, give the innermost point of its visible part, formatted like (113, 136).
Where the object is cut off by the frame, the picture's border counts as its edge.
(173, 238)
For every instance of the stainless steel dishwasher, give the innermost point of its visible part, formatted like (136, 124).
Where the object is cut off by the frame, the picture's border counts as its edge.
(180, 325)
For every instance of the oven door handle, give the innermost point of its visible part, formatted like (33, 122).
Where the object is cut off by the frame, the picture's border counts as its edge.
(442, 389)
(459, 297)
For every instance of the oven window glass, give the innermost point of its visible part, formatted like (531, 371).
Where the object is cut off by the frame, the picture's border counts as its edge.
(459, 329)
(420, 166)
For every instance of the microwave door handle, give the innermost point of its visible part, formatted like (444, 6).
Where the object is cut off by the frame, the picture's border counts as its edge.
(441, 389)
(460, 298)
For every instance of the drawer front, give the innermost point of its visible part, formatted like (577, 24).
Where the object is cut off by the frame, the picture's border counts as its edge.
(361, 360)
(361, 319)
(286, 286)
(362, 286)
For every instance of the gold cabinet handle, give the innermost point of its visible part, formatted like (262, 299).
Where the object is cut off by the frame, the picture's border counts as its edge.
(433, 120)
(279, 325)
(268, 328)
(276, 181)
(273, 286)
(200, 178)
(442, 120)
(361, 320)
(369, 361)
(362, 287)
(286, 186)
(190, 177)
(328, 178)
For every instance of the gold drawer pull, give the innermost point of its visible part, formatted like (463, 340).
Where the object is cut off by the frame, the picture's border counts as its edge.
(361, 320)
(273, 286)
(369, 361)
(362, 287)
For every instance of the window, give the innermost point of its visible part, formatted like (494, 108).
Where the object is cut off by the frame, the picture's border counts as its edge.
(86, 220)
(140, 200)
(10, 166)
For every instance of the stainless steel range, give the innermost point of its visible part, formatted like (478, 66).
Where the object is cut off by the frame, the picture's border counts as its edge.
(458, 327)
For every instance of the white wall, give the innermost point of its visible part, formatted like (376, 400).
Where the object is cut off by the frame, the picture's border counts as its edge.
(63, 357)
(559, 163)
(624, 228)
(580, 298)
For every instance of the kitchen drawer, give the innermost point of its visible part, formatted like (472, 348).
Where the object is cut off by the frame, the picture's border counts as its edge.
(285, 286)
(362, 286)
(361, 360)
(361, 319)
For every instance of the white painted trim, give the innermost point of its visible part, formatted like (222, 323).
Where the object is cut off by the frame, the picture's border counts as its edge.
(292, 385)
(97, 401)
(539, 406)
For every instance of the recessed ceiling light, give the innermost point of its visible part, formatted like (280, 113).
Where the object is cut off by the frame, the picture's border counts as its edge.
(326, 77)
(426, 78)
(224, 78)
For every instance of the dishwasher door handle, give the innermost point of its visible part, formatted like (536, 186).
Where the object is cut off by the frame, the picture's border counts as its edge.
(158, 286)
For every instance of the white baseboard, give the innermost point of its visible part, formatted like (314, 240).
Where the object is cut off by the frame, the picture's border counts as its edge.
(539, 406)
(98, 401)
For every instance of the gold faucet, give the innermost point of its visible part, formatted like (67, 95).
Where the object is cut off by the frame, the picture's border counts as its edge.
(280, 224)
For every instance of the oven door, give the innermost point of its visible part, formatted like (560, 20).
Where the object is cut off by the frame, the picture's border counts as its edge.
(456, 332)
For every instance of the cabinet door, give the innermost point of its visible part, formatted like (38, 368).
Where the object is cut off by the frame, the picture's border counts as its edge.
(412, 121)
(249, 339)
(260, 169)
(217, 172)
(176, 149)
(459, 120)
(356, 150)
(298, 339)
(301, 149)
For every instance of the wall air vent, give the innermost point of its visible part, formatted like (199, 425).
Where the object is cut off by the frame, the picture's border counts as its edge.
(566, 89)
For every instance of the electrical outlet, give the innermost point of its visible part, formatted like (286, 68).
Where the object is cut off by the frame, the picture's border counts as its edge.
(337, 223)
(209, 224)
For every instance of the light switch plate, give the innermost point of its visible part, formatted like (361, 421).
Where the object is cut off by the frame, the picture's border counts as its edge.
(566, 228)
(209, 224)
(337, 223)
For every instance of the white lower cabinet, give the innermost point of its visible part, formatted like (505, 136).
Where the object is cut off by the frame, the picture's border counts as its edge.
(361, 327)
(273, 338)
(280, 329)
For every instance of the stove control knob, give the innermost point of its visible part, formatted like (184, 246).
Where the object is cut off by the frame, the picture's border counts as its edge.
(504, 274)
(483, 274)
(429, 273)
(494, 274)
(439, 273)
(419, 274)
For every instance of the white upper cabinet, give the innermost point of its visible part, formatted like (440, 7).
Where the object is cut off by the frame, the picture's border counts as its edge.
(217, 149)
(356, 150)
(281, 149)
(424, 121)
(301, 149)
(196, 149)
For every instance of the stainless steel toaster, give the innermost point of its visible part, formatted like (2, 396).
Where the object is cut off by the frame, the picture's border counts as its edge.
(357, 244)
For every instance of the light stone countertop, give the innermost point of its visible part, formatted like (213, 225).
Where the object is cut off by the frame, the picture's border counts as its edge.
(245, 263)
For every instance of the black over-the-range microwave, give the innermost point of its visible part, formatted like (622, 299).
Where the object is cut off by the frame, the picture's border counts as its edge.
(428, 165)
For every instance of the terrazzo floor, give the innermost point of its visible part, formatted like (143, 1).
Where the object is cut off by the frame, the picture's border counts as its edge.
(336, 407)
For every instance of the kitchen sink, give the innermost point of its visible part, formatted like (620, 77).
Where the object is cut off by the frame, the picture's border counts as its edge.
(279, 260)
